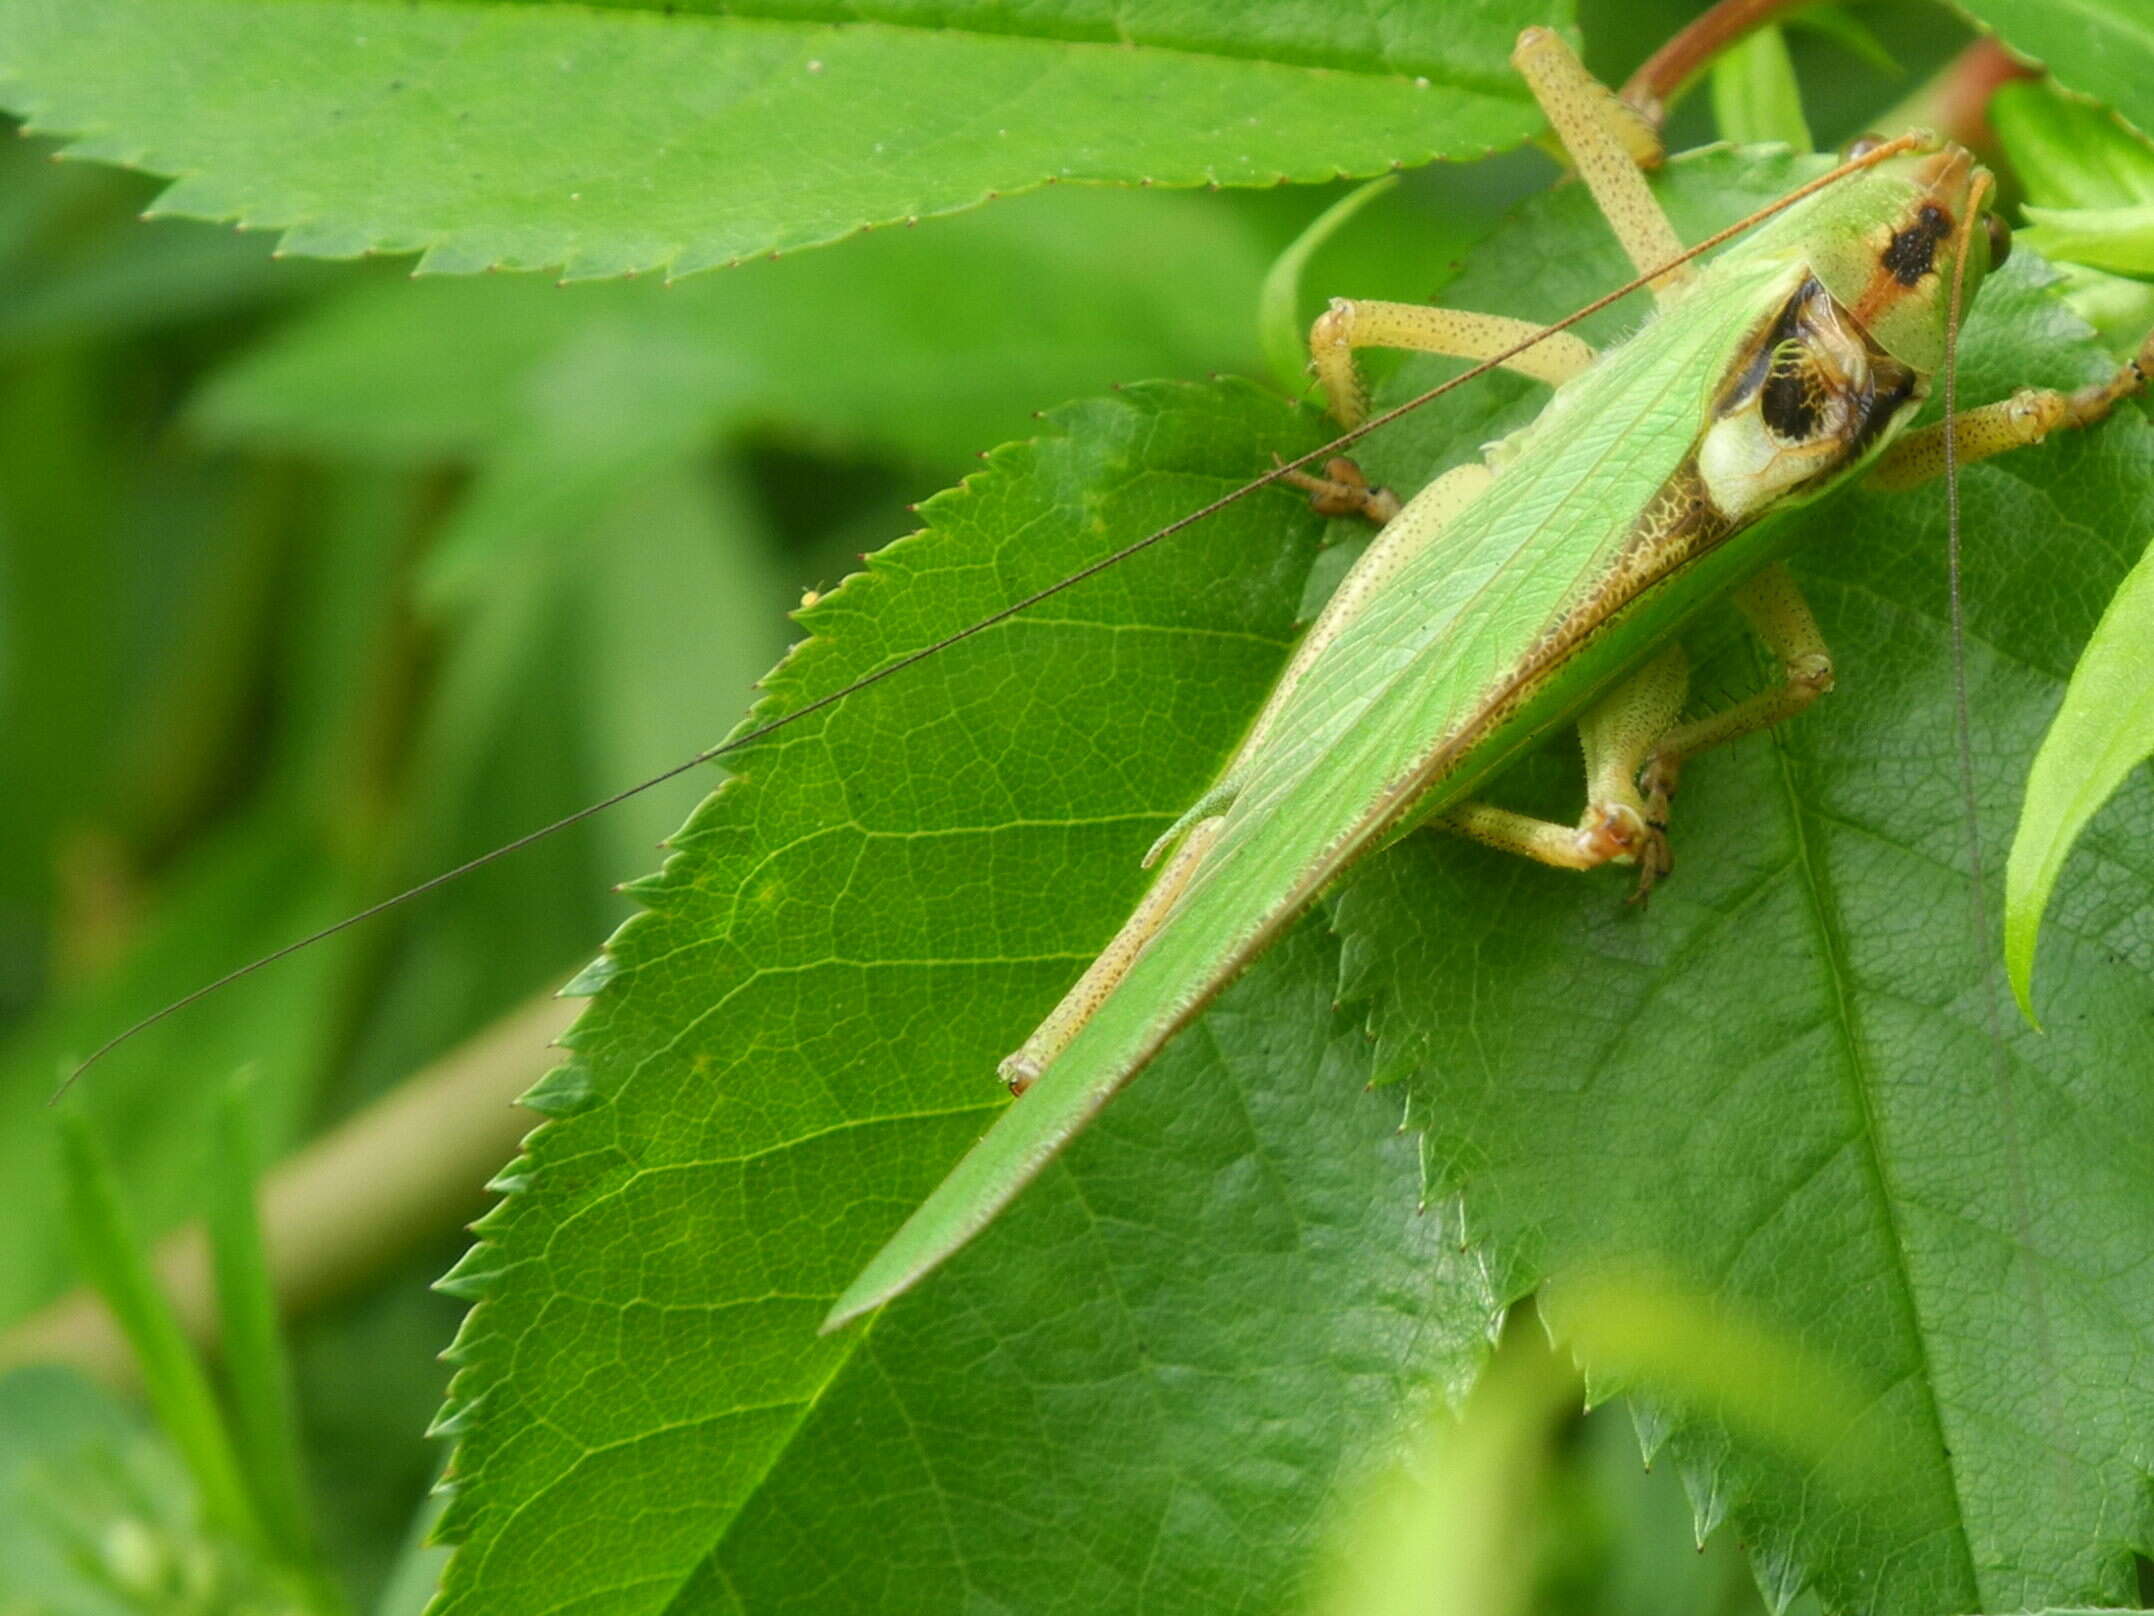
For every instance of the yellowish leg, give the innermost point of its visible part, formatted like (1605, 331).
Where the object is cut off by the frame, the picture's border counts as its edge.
(1777, 613)
(2027, 417)
(1619, 733)
(1341, 490)
(1635, 748)
(1612, 144)
(1423, 328)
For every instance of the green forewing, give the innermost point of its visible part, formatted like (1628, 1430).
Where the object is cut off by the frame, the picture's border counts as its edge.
(1413, 670)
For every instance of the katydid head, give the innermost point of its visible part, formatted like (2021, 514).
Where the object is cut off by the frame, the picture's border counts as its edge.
(1886, 245)
(1848, 359)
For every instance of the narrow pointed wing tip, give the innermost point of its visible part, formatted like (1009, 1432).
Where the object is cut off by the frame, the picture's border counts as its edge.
(860, 1297)
(1025, 1137)
(841, 1314)
(922, 1244)
(943, 1225)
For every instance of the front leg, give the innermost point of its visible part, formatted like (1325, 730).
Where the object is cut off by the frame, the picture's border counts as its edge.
(1613, 144)
(1352, 323)
(2027, 417)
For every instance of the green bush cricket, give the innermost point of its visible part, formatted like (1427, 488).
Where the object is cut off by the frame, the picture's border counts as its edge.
(1540, 587)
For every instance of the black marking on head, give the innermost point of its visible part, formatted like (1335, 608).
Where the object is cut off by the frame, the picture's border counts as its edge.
(1912, 253)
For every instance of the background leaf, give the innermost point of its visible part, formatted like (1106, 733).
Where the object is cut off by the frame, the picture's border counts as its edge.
(1756, 96)
(614, 140)
(2104, 730)
(2101, 49)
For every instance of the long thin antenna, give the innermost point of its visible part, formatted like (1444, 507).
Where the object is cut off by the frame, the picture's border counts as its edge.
(1890, 148)
(2017, 1192)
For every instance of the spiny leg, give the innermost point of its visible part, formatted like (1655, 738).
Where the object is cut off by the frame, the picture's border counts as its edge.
(1423, 519)
(1425, 328)
(2027, 417)
(1348, 325)
(1612, 144)
(1777, 613)
(1619, 733)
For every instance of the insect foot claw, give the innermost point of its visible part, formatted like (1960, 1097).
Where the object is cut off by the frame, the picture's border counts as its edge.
(1343, 490)
(1019, 1072)
(1655, 862)
(1658, 780)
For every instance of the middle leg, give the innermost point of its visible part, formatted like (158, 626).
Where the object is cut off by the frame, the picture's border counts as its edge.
(1777, 613)
(1619, 734)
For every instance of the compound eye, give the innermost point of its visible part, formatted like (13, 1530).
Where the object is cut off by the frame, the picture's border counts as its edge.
(2000, 238)
(1861, 146)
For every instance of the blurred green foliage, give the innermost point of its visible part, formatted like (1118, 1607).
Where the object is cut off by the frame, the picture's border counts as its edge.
(316, 578)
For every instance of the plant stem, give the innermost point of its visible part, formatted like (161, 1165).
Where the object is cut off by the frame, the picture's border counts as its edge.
(350, 1204)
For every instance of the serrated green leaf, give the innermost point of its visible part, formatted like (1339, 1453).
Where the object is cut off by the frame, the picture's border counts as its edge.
(2102, 49)
(1778, 1083)
(972, 326)
(2104, 730)
(1244, 1305)
(856, 926)
(615, 140)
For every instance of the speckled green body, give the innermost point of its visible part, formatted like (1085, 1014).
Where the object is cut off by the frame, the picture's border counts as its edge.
(1552, 584)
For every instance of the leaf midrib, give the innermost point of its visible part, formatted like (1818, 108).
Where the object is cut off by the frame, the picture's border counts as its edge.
(1859, 1082)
